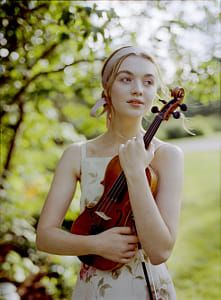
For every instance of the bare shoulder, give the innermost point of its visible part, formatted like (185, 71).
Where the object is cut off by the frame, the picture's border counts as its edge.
(73, 150)
(99, 147)
(71, 158)
(167, 153)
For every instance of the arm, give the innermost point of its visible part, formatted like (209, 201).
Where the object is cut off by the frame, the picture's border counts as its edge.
(156, 221)
(116, 243)
(50, 237)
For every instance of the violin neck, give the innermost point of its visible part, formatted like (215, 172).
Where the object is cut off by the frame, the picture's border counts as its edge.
(152, 130)
(121, 183)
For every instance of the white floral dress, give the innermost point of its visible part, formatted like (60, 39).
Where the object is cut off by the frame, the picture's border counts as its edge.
(127, 282)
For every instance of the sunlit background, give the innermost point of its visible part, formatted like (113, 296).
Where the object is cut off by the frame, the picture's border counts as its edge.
(51, 56)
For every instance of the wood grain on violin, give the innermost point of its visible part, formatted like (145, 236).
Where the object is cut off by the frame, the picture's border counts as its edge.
(114, 209)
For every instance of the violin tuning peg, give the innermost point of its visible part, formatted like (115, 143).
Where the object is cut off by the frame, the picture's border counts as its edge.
(154, 109)
(183, 107)
(176, 114)
(163, 101)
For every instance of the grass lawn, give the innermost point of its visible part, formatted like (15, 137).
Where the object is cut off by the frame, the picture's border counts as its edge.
(195, 263)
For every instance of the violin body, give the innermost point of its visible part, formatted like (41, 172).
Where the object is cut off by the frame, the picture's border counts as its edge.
(114, 209)
(104, 215)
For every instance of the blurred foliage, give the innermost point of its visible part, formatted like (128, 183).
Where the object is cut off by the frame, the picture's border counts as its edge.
(51, 54)
(195, 262)
(199, 125)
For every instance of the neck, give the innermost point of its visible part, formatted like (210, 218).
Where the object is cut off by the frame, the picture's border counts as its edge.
(124, 129)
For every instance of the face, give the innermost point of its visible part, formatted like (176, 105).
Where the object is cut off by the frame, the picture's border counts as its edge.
(134, 87)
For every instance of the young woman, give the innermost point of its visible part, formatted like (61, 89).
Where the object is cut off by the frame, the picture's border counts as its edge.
(130, 80)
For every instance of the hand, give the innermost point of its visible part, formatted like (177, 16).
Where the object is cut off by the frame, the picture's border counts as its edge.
(133, 155)
(117, 244)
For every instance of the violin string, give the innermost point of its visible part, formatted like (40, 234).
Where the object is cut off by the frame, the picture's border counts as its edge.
(147, 139)
(116, 189)
(107, 203)
(120, 182)
(152, 130)
(109, 196)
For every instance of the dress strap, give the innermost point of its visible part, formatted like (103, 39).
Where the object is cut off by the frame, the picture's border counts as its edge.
(83, 156)
(83, 151)
(82, 161)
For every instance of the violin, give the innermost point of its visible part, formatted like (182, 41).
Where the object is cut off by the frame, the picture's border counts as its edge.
(114, 209)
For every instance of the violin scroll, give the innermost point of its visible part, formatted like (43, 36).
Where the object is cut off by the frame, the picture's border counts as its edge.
(177, 92)
(169, 107)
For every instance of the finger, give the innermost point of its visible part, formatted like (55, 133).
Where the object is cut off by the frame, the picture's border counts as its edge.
(132, 239)
(151, 147)
(134, 139)
(139, 137)
(130, 142)
(121, 147)
(129, 254)
(131, 247)
(123, 230)
(140, 140)
(126, 144)
(124, 260)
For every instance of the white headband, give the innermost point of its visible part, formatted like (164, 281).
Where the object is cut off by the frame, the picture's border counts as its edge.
(108, 67)
(110, 63)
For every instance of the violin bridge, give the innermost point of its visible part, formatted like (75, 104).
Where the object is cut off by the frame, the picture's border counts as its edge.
(102, 215)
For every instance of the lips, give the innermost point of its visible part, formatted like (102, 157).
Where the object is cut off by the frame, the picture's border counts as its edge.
(135, 101)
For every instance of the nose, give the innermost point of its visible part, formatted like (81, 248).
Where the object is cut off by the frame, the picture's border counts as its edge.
(137, 88)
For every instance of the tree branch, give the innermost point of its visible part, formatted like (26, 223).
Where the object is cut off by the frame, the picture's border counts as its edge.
(27, 10)
(44, 54)
(7, 163)
(25, 86)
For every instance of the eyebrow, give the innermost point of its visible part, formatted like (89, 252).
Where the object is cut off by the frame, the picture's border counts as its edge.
(130, 73)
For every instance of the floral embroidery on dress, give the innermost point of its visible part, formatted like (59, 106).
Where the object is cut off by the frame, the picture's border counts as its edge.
(87, 272)
(161, 291)
(115, 273)
(163, 294)
(93, 177)
(102, 287)
(91, 203)
(127, 282)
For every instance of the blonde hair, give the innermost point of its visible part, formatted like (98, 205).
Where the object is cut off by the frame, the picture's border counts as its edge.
(111, 67)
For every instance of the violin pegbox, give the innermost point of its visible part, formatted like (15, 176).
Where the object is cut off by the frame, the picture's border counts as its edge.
(170, 107)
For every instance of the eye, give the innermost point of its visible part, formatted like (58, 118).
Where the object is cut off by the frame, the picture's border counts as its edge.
(125, 79)
(148, 82)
